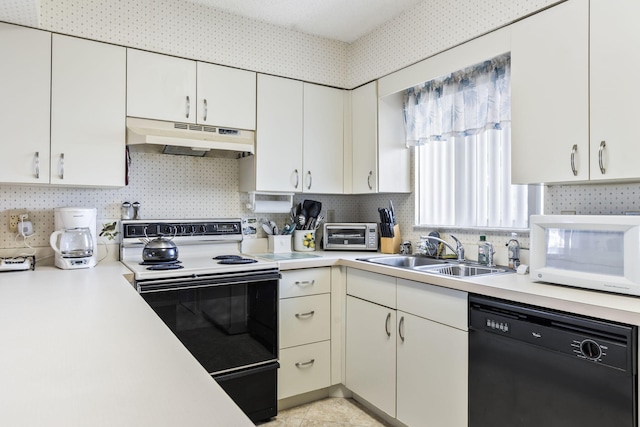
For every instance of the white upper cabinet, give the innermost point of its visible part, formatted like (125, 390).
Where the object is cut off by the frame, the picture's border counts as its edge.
(87, 112)
(161, 87)
(573, 112)
(323, 141)
(364, 122)
(25, 79)
(277, 164)
(299, 139)
(226, 96)
(550, 95)
(615, 64)
(167, 88)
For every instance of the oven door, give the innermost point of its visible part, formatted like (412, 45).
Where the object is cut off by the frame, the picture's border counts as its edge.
(227, 321)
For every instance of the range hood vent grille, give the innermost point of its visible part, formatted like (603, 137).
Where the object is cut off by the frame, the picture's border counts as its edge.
(188, 139)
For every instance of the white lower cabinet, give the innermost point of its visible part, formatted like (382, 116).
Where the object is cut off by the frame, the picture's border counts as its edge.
(431, 373)
(407, 357)
(305, 331)
(371, 353)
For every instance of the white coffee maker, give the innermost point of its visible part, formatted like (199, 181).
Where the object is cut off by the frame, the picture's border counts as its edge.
(75, 240)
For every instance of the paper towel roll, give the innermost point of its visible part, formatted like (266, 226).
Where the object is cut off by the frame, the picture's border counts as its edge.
(271, 206)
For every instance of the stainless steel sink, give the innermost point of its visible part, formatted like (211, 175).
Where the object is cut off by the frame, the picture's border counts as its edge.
(464, 270)
(443, 267)
(406, 261)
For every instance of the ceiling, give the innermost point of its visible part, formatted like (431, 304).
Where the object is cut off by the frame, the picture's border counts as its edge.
(343, 20)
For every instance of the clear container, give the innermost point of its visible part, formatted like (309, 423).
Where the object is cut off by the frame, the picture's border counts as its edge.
(126, 212)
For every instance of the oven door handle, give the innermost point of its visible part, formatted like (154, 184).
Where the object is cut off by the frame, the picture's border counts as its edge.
(195, 281)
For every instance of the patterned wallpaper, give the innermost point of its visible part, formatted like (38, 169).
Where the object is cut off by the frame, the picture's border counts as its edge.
(430, 27)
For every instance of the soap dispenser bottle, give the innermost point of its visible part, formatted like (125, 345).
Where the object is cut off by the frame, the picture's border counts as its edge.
(482, 251)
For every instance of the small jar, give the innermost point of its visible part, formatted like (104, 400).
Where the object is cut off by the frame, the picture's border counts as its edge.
(126, 211)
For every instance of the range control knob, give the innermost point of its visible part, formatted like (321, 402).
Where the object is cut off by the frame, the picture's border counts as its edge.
(590, 349)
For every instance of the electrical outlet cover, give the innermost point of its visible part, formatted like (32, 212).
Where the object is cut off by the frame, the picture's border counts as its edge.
(14, 218)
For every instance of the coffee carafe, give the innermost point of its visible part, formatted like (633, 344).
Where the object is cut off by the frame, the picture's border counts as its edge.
(74, 240)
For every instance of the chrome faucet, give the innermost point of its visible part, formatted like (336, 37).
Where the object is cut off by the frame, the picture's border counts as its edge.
(459, 249)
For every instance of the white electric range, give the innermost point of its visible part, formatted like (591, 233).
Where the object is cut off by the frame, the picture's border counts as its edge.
(199, 242)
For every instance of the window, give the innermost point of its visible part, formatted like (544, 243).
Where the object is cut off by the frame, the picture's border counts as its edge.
(460, 125)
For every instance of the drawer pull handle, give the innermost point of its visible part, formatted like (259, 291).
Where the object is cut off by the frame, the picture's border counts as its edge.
(305, 364)
(304, 282)
(307, 314)
(400, 328)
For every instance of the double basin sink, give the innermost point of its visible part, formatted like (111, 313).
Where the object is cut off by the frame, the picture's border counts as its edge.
(437, 266)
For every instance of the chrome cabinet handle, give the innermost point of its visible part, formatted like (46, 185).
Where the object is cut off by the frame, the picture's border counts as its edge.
(307, 314)
(369, 180)
(310, 181)
(574, 150)
(206, 109)
(603, 146)
(386, 325)
(61, 166)
(400, 327)
(297, 177)
(304, 282)
(305, 364)
(37, 164)
(188, 106)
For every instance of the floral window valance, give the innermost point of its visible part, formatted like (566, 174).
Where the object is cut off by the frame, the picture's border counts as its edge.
(462, 103)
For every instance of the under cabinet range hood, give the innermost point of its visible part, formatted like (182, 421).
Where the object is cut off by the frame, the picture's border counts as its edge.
(186, 139)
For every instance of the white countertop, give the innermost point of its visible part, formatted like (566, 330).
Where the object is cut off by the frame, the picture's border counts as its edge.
(82, 348)
(514, 287)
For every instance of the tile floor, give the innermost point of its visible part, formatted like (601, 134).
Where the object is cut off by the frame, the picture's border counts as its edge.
(329, 412)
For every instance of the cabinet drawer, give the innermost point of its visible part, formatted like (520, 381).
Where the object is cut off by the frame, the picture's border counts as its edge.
(372, 287)
(305, 320)
(308, 281)
(442, 305)
(304, 368)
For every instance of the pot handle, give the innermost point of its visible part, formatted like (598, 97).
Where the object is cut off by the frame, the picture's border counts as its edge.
(53, 241)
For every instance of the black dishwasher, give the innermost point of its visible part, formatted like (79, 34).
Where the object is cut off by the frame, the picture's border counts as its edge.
(530, 366)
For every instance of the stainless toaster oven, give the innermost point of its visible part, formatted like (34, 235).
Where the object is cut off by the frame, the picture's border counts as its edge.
(353, 236)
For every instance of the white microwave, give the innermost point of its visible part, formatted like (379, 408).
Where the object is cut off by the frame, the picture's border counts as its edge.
(599, 252)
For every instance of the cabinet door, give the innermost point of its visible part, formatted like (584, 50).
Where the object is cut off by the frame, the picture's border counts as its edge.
(279, 134)
(364, 122)
(615, 64)
(432, 373)
(323, 149)
(226, 96)
(371, 353)
(550, 95)
(87, 112)
(25, 79)
(161, 87)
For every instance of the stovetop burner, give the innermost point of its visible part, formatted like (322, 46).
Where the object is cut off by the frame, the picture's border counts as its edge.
(234, 259)
(158, 267)
(160, 262)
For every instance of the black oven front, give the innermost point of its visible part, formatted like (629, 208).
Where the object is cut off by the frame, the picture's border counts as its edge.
(229, 322)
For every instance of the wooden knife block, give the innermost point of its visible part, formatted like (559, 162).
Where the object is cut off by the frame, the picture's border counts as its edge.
(391, 245)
